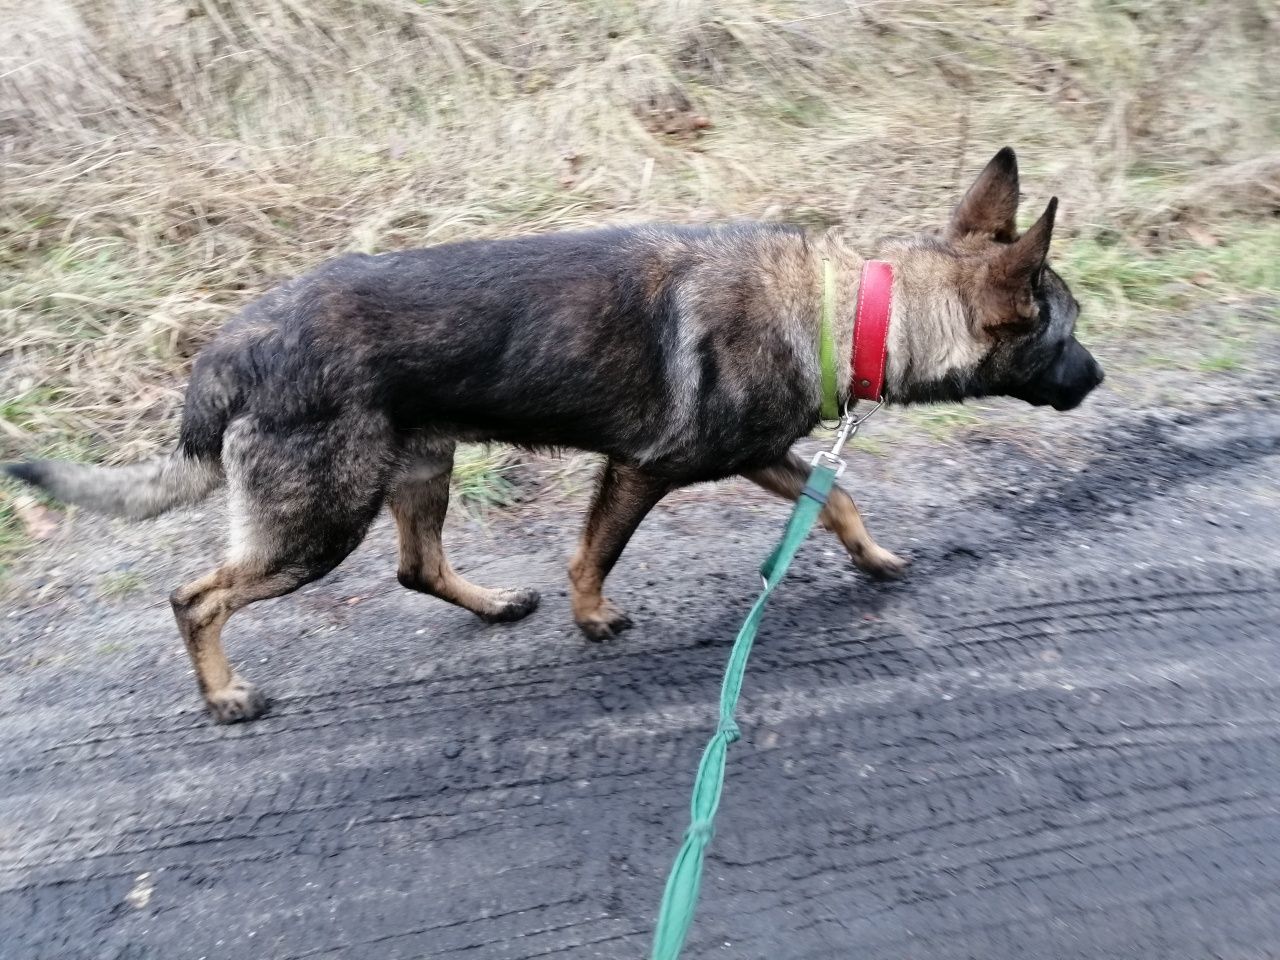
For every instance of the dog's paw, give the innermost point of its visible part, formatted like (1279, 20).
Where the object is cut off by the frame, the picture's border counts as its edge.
(605, 623)
(511, 605)
(881, 564)
(238, 702)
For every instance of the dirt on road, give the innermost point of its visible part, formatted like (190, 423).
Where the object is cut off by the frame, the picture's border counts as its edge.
(1058, 737)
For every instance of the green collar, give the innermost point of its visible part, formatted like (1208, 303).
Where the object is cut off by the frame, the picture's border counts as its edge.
(827, 344)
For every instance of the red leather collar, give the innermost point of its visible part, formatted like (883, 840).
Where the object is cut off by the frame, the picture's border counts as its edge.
(871, 329)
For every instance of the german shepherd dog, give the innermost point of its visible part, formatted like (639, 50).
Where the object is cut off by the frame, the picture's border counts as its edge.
(681, 354)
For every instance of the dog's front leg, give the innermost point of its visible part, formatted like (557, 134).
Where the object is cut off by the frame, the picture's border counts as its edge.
(840, 516)
(622, 499)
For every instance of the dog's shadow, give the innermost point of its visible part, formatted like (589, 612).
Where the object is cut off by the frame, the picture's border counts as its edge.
(1138, 463)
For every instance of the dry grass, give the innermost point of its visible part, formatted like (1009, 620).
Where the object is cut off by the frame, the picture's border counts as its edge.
(163, 163)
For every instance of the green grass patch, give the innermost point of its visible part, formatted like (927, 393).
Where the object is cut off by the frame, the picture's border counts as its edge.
(1118, 281)
(943, 420)
(28, 410)
(82, 286)
(119, 584)
(480, 481)
(1224, 361)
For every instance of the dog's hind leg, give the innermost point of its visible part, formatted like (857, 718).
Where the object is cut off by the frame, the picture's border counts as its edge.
(840, 515)
(204, 606)
(300, 501)
(419, 500)
(622, 499)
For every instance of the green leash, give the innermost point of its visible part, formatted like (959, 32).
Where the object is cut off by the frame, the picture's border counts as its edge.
(681, 895)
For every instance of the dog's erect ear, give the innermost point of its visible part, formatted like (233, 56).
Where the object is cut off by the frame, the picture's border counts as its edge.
(990, 207)
(1013, 273)
(1024, 259)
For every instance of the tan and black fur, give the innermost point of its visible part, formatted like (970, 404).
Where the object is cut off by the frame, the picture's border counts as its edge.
(681, 354)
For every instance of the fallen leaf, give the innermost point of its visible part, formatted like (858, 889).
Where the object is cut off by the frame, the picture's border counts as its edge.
(39, 522)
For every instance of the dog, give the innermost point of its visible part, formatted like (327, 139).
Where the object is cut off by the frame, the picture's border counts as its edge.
(683, 354)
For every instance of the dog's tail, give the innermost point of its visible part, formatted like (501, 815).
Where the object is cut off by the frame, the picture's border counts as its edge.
(142, 490)
(137, 491)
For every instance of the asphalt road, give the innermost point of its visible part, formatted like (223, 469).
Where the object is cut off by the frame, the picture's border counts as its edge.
(1060, 737)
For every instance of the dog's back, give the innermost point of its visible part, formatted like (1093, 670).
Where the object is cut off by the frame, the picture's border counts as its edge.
(639, 343)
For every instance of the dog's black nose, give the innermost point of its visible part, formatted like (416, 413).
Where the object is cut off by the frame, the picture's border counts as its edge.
(1096, 374)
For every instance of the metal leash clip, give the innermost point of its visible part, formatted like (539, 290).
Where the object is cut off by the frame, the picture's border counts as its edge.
(849, 427)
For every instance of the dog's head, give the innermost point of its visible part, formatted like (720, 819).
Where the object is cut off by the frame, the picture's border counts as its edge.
(1000, 321)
